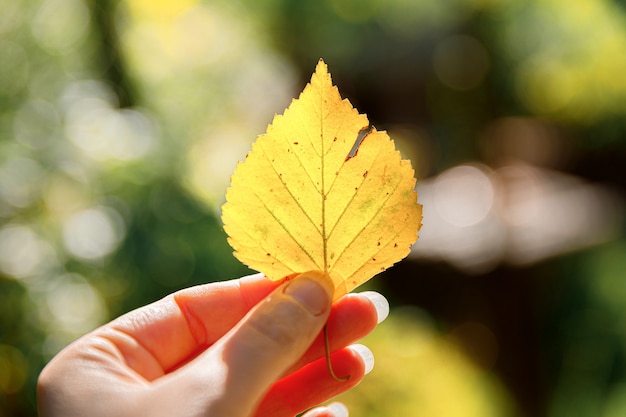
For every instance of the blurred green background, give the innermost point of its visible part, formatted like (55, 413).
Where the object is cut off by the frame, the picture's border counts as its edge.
(121, 122)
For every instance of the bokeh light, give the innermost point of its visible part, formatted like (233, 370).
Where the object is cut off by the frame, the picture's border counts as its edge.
(20, 181)
(93, 233)
(569, 59)
(478, 218)
(463, 195)
(23, 252)
(58, 25)
(105, 133)
(459, 224)
(75, 306)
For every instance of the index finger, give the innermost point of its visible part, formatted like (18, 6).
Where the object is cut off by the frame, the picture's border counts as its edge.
(175, 329)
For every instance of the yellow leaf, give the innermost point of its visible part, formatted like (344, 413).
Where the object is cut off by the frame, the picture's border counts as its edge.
(319, 191)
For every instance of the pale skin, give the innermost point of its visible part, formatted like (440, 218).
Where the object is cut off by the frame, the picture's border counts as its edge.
(240, 348)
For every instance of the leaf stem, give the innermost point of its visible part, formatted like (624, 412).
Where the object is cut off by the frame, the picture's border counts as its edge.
(329, 364)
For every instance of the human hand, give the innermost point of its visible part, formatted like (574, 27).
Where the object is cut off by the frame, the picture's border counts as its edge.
(217, 350)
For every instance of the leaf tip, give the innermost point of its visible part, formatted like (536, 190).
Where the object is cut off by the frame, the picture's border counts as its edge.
(321, 68)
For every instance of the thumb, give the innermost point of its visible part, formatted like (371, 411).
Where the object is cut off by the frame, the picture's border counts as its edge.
(272, 337)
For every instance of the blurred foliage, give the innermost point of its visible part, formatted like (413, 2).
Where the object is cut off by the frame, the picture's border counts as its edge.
(420, 373)
(122, 120)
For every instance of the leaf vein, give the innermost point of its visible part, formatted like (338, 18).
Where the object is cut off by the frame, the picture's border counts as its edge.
(369, 221)
(282, 225)
(293, 197)
(347, 209)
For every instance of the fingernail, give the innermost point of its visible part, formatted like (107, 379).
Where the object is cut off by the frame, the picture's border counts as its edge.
(380, 303)
(366, 355)
(338, 409)
(314, 296)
